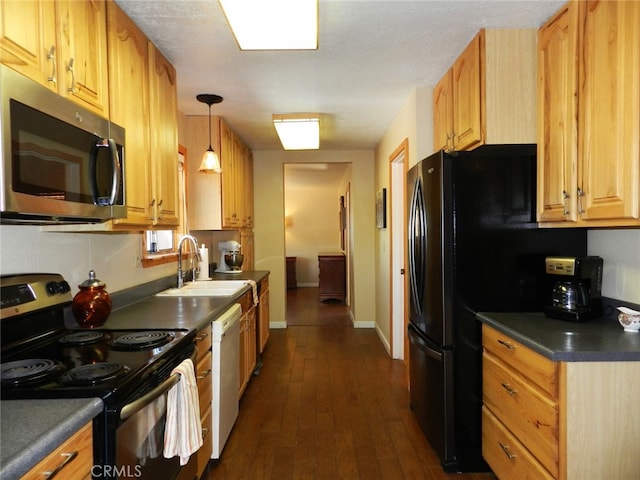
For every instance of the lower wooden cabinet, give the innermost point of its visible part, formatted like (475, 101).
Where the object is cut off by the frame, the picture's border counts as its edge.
(72, 460)
(248, 357)
(557, 420)
(263, 315)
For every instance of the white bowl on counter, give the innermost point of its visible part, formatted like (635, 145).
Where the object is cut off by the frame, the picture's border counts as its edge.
(629, 319)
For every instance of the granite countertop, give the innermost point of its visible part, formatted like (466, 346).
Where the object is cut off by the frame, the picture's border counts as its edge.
(31, 429)
(148, 311)
(599, 340)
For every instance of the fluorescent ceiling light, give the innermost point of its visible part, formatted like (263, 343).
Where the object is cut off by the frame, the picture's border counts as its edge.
(298, 131)
(273, 24)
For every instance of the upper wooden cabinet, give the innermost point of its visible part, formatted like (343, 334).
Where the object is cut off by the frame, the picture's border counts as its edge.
(163, 124)
(143, 94)
(488, 95)
(225, 200)
(589, 115)
(61, 44)
(129, 106)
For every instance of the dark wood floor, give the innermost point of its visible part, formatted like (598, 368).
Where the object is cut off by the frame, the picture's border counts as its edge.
(328, 403)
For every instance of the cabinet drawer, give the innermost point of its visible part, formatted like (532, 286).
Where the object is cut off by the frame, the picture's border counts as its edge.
(523, 409)
(203, 378)
(203, 342)
(538, 369)
(246, 301)
(80, 445)
(505, 455)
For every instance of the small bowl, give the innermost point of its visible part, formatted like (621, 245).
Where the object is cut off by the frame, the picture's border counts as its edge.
(234, 260)
(629, 319)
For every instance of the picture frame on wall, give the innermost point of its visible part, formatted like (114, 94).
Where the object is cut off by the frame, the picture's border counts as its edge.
(381, 209)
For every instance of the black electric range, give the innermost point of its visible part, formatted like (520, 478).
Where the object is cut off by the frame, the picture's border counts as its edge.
(42, 358)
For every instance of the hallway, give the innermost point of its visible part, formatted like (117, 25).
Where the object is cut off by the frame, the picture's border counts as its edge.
(328, 403)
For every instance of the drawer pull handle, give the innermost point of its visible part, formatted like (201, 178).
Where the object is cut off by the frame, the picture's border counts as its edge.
(506, 344)
(507, 452)
(70, 458)
(509, 389)
(204, 375)
(201, 336)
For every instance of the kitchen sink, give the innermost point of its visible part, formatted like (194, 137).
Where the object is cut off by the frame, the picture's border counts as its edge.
(208, 288)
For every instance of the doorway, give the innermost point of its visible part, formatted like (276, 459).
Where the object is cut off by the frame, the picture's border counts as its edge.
(316, 221)
(398, 174)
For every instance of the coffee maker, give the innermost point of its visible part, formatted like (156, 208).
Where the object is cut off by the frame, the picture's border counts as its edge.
(577, 286)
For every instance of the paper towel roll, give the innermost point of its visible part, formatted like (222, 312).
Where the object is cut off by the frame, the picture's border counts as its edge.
(203, 265)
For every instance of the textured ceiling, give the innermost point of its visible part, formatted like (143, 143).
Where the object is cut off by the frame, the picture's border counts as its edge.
(372, 54)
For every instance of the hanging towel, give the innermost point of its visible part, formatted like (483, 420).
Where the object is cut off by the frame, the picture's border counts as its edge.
(254, 286)
(183, 431)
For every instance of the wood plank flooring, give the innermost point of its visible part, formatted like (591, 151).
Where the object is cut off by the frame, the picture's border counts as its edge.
(329, 404)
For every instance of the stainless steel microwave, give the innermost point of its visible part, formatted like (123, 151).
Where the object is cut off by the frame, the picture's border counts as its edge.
(60, 162)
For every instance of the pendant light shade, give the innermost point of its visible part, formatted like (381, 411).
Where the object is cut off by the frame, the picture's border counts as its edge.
(210, 160)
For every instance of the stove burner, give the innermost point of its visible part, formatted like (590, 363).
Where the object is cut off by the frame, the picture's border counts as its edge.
(142, 340)
(30, 370)
(81, 338)
(93, 373)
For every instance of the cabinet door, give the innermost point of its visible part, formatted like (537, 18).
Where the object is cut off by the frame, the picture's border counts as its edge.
(230, 217)
(129, 107)
(28, 39)
(163, 114)
(609, 96)
(443, 113)
(467, 96)
(557, 117)
(82, 43)
(246, 191)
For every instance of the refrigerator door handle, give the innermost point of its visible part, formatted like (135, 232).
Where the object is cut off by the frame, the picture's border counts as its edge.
(433, 353)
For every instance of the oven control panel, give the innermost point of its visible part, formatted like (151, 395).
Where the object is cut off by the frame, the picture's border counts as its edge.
(24, 293)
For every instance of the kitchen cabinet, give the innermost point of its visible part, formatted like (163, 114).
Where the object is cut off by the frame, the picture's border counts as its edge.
(246, 240)
(263, 314)
(220, 201)
(589, 125)
(163, 125)
(72, 460)
(560, 420)
(129, 106)
(61, 45)
(144, 102)
(247, 340)
(488, 94)
(332, 281)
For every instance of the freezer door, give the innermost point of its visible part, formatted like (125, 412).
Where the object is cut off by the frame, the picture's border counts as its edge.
(426, 295)
(431, 394)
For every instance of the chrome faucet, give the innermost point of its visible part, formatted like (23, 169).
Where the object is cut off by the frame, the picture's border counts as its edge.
(194, 244)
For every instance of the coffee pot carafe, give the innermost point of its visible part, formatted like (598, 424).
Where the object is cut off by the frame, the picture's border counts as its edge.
(576, 293)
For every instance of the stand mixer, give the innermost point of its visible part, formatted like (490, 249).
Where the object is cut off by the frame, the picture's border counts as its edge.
(233, 260)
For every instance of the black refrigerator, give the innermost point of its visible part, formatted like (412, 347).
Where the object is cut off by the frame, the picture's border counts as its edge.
(474, 246)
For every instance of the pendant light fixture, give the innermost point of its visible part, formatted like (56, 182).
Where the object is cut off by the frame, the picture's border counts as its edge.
(210, 160)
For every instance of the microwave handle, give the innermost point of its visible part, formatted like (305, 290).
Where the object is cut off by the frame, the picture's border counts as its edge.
(117, 171)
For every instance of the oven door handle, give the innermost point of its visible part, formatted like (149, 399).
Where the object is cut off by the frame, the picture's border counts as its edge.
(149, 397)
(138, 404)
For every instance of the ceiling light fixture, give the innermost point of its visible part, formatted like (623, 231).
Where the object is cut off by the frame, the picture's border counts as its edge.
(298, 131)
(274, 24)
(210, 160)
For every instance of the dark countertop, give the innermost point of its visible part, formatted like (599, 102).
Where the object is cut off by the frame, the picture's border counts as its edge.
(599, 340)
(188, 313)
(31, 429)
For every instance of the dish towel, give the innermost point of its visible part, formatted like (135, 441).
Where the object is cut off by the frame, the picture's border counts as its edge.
(254, 286)
(183, 431)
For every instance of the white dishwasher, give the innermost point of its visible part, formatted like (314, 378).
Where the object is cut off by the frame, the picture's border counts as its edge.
(225, 360)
